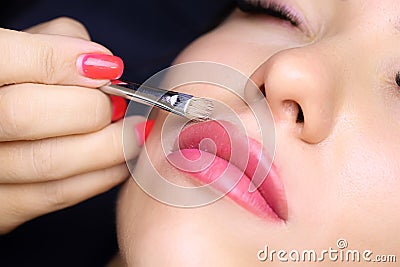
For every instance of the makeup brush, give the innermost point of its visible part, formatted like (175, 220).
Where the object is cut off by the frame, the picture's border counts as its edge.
(185, 105)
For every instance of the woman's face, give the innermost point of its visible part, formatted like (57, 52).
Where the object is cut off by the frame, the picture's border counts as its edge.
(329, 77)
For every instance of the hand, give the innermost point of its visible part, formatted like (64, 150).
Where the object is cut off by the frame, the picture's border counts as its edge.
(57, 143)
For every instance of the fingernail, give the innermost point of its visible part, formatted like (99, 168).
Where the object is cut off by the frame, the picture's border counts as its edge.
(100, 66)
(119, 107)
(143, 130)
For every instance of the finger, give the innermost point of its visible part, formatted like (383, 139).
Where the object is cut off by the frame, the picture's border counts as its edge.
(23, 202)
(37, 111)
(61, 26)
(61, 157)
(55, 59)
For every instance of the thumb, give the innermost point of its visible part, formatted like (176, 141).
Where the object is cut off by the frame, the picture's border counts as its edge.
(55, 59)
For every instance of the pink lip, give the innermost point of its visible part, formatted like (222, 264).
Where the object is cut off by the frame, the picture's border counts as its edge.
(268, 201)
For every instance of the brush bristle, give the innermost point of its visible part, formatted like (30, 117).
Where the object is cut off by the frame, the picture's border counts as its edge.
(199, 109)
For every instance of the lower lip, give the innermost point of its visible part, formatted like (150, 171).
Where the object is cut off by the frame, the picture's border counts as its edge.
(212, 170)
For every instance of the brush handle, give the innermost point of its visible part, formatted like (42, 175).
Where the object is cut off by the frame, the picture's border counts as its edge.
(170, 101)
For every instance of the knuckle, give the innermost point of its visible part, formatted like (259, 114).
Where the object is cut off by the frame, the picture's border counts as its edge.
(51, 66)
(44, 158)
(116, 149)
(70, 22)
(63, 21)
(11, 117)
(8, 52)
(48, 62)
(96, 116)
(101, 103)
(55, 195)
(69, 26)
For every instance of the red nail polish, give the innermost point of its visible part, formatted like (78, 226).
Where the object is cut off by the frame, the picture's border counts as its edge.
(100, 66)
(143, 130)
(119, 107)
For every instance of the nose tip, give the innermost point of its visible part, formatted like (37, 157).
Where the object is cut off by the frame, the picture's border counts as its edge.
(300, 91)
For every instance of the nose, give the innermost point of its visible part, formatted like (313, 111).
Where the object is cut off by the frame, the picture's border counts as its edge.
(302, 90)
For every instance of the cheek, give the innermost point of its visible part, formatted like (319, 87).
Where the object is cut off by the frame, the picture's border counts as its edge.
(369, 185)
(216, 48)
(368, 161)
(224, 46)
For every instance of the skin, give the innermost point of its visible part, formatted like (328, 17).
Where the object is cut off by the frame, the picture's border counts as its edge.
(51, 157)
(340, 168)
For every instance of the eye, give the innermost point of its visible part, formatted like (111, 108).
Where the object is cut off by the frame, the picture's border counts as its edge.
(398, 78)
(270, 8)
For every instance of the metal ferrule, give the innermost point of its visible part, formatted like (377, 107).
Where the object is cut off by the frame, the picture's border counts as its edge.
(167, 100)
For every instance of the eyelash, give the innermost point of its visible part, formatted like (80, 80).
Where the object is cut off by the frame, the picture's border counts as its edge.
(398, 78)
(270, 8)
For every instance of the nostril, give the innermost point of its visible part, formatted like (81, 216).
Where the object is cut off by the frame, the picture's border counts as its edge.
(262, 89)
(300, 114)
(293, 109)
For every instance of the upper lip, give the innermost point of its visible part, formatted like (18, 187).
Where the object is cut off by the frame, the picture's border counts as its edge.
(271, 189)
